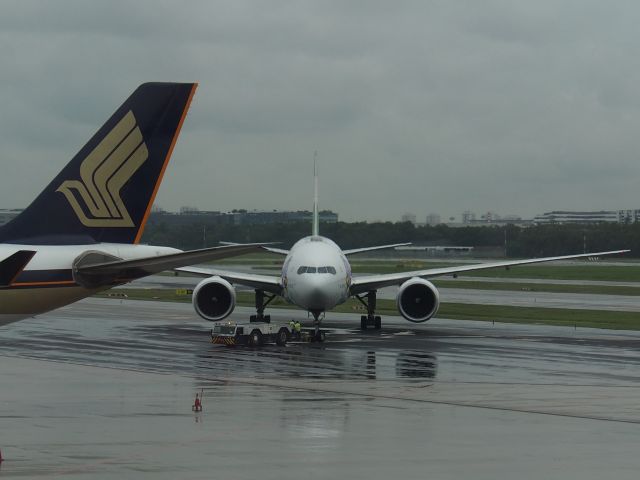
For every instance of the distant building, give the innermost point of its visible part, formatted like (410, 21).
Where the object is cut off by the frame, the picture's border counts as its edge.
(603, 216)
(628, 216)
(468, 217)
(433, 219)
(186, 210)
(490, 217)
(193, 216)
(512, 218)
(434, 250)
(409, 217)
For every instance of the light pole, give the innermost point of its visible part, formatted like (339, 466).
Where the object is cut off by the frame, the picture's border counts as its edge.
(505, 241)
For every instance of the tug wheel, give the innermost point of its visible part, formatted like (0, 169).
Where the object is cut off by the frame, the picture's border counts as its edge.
(255, 338)
(282, 337)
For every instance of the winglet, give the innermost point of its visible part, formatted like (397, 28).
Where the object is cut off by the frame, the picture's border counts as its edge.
(316, 221)
(11, 267)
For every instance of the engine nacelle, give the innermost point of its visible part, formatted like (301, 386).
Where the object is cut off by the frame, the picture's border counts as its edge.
(214, 299)
(418, 300)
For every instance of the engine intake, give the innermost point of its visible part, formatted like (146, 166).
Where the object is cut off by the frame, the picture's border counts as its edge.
(418, 300)
(214, 299)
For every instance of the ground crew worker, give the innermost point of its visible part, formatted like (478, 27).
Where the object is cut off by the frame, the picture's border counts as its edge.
(297, 328)
(292, 326)
(197, 405)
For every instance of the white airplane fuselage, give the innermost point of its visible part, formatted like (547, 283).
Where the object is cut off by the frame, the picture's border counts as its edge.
(316, 275)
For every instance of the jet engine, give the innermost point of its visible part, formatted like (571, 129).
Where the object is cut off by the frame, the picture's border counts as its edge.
(418, 300)
(214, 299)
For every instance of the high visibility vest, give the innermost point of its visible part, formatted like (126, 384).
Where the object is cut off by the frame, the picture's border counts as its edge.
(298, 327)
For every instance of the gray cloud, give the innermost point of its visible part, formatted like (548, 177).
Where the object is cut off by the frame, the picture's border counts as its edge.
(437, 106)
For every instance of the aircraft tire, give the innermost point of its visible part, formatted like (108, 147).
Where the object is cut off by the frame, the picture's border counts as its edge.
(378, 323)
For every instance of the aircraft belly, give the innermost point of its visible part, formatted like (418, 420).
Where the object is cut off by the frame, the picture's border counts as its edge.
(26, 302)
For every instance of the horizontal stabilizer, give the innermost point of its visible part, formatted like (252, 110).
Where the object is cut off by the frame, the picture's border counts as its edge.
(11, 267)
(122, 271)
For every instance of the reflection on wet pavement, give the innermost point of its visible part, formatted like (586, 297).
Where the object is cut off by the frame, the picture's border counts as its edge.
(444, 399)
(186, 350)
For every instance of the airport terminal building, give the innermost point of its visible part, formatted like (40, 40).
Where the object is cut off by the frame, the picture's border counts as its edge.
(603, 216)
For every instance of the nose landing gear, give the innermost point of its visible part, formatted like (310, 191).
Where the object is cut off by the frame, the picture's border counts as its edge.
(370, 319)
(318, 335)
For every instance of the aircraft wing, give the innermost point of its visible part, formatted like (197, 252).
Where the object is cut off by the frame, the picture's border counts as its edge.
(11, 266)
(369, 249)
(122, 271)
(372, 282)
(267, 283)
(282, 251)
(279, 251)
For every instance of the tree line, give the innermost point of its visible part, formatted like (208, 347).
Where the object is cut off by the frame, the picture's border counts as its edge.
(532, 241)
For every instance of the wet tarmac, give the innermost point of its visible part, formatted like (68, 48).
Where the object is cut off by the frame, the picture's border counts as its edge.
(103, 389)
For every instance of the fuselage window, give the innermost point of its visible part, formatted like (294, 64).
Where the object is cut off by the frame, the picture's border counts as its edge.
(301, 270)
(322, 269)
(331, 270)
(311, 269)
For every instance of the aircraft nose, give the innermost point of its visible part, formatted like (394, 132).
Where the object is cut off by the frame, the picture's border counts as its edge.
(316, 295)
(317, 298)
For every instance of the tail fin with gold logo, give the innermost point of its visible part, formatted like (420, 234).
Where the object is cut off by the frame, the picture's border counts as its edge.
(105, 193)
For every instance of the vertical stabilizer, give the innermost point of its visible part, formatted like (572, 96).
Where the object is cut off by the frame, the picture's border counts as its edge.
(105, 192)
(316, 221)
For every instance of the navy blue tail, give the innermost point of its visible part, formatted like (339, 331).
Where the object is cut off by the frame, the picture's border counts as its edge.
(105, 193)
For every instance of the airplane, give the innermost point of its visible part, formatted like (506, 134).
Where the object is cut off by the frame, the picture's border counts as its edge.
(81, 235)
(316, 277)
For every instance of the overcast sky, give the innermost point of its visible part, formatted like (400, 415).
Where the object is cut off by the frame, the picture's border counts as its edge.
(517, 107)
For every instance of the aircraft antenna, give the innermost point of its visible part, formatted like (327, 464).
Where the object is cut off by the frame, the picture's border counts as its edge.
(316, 222)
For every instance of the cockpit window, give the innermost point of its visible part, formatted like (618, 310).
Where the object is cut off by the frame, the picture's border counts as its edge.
(305, 269)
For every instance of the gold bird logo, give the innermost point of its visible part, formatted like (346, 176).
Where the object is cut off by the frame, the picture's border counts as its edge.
(104, 172)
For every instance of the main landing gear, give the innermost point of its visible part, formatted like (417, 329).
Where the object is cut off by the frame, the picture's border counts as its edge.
(370, 319)
(260, 306)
